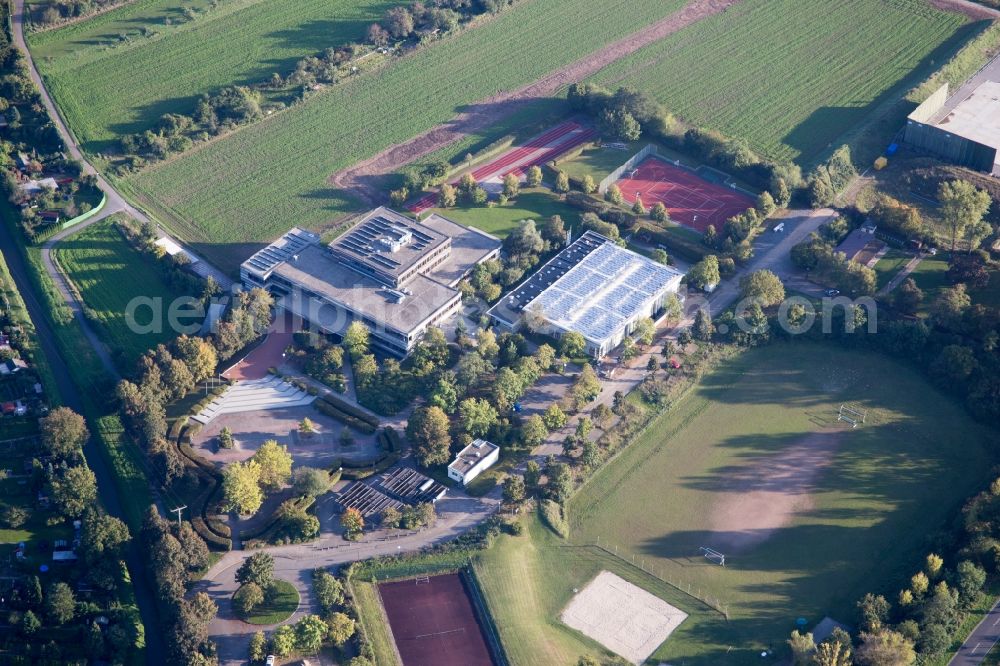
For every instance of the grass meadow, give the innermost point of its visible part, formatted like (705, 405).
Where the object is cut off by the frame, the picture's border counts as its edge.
(108, 274)
(534, 204)
(86, 64)
(764, 425)
(247, 187)
(791, 77)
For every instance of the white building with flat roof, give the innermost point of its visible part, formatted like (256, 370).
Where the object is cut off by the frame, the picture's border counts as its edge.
(593, 287)
(473, 460)
(396, 275)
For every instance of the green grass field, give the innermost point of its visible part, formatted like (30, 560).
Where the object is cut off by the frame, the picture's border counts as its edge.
(284, 600)
(810, 513)
(239, 41)
(255, 183)
(108, 274)
(889, 265)
(791, 76)
(528, 580)
(538, 205)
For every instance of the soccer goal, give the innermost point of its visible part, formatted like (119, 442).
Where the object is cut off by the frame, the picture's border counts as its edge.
(713, 555)
(852, 415)
(422, 580)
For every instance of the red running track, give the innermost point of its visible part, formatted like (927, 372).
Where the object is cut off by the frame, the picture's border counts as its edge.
(561, 138)
(690, 199)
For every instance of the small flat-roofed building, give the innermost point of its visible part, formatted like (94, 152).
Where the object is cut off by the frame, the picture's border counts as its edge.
(593, 287)
(861, 247)
(473, 460)
(394, 274)
(963, 128)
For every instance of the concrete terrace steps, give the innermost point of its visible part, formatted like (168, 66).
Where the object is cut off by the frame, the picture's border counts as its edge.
(255, 394)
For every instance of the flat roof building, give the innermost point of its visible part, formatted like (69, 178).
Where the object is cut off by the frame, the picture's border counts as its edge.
(963, 128)
(593, 287)
(473, 460)
(394, 274)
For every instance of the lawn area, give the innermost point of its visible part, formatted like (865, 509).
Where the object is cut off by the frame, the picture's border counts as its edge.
(930, 276)
(245, 188)
(889, 265)
(109, 274)
(754, 463)
(528, 580)
(234, 42)
(283, 602)
(538, 204)
(790, 77)
(374, 622)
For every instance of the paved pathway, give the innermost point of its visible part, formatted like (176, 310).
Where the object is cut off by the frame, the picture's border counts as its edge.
(903, 273)
(980, 641)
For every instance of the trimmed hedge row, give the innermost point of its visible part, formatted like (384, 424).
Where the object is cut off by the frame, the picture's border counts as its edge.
(217, 534)
(350, 410)
(355, 471)
(356, 423)
(396, 442)
(269, 524)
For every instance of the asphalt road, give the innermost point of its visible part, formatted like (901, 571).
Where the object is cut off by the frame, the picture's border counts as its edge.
(108, 491)
(980, 641)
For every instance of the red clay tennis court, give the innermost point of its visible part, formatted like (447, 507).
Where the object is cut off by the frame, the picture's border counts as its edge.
(690, 199)
(433, 622)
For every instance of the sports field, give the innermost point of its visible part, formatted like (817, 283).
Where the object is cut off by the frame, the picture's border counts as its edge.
(690, 200)
(810, 513)
(108, 273)
(433, 622)
(86, 64)
(246, 187)
(791, 76)
(534, 204)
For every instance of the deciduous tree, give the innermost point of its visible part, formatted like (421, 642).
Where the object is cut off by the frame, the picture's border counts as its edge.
(428, 429)
(241, 487)
(63, 432)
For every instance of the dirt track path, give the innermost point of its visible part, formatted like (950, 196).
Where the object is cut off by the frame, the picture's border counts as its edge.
(973, 10)
(361, 178)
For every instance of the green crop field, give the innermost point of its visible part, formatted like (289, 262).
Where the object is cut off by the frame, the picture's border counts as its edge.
(792, 76)
(255, 183)
(108, 273)
(238, 41)
(810, 513)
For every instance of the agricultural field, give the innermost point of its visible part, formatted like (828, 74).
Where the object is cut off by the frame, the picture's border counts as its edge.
(755, 464)
(226, 43)
(246, 187)
(108, 274)
(791, 77)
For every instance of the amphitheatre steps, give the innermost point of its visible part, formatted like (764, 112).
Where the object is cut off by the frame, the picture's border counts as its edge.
(255, 394)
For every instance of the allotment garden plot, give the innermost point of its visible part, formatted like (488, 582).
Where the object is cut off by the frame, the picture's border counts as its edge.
(755, 465)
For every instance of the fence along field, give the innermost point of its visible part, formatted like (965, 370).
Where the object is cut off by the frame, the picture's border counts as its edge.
(755, 465)
(247, 186)
(791, 76)
(236, 42)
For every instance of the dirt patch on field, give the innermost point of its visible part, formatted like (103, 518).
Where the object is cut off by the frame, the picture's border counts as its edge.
(362, 179)
(767, 495)
(971, 9)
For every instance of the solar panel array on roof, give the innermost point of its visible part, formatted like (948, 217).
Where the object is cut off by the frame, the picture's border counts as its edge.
(554, 269)
(366, 499)
(409, 485)
(281, 250)
(603, 291)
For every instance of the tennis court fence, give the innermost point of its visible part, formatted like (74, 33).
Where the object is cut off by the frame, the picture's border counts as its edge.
(632, 163)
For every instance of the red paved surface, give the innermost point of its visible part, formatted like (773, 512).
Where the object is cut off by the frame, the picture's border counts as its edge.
(433, 623)
(542, 148)
(267, 355)
(686, 195)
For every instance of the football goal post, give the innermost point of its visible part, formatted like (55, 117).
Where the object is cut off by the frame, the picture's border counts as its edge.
(713, 555)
